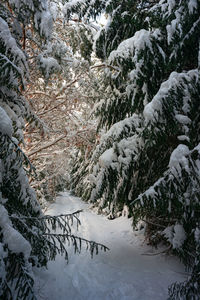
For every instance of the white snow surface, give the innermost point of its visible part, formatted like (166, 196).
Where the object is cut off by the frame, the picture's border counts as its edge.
(126, 272)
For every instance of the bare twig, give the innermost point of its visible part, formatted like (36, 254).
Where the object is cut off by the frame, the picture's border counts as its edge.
(47, 145)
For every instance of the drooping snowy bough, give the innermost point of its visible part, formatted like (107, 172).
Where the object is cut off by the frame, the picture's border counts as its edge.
(27, 237)
(149, 158)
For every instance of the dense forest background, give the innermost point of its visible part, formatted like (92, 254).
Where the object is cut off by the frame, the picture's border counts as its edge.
(112, 113)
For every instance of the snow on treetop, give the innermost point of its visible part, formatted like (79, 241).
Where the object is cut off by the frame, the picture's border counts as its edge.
(5, 123)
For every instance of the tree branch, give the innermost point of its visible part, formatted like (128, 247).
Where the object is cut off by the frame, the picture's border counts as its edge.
(54, 107)
(105, 66)
(47, 145)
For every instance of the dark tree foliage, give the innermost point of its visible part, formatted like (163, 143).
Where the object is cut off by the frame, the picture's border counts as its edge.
(27, 237)
(149, 158)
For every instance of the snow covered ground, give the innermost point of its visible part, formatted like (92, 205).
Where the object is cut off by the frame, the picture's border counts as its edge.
(123, 273)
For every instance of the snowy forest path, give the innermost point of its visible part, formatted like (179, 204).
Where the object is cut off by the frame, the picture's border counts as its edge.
(123, 273)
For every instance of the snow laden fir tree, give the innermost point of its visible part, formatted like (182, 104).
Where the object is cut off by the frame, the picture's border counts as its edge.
(149, 157)
(26, 237)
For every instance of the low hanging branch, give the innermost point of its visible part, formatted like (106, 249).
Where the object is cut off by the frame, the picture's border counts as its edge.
(76, 242)
(57, 241)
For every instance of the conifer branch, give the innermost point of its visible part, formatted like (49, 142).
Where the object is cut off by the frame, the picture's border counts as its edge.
(25, 157)
(106, 66)
(76, 242)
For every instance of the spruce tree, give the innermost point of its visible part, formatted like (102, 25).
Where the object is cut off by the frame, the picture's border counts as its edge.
(149, 158)
(27, 237)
